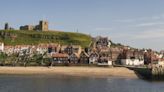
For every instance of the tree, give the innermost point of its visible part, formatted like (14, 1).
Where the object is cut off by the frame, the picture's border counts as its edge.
(3, 57)
(14, 58)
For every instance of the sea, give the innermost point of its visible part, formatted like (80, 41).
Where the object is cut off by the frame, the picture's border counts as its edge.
(45, 83)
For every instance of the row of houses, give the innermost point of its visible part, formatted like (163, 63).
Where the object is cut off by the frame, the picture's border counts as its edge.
(100, 52)
(41, 49)
(125, 55)
(60, 53)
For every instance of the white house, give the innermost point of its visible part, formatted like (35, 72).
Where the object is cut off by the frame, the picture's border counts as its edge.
(132, 62)
(105, 61)
(42, 49)
(1, 46)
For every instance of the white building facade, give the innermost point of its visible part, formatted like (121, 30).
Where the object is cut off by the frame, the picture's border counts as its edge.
(132, 62)
(1, 46)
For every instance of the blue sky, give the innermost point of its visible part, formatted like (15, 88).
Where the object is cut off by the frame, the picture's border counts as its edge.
(138, 23)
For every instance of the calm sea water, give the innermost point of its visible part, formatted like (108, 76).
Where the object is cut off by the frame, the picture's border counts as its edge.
(37, 83)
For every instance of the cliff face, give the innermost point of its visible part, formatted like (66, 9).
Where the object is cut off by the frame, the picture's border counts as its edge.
(17, 37)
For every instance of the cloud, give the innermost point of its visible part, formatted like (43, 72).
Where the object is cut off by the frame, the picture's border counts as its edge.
(147, 24)
(156, 17)
(143, 32)
(147, 34)
(152, 34)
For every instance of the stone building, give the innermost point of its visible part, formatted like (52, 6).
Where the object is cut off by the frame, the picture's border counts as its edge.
(43, 26)
(105, 58)
(70, 49)
(6, 26)
(132, 57)
(60, 58)
(93, 57)
(84, 58)
(27, 27)
(116, 54)
(150, 57)
(74, 58)
(102, 42)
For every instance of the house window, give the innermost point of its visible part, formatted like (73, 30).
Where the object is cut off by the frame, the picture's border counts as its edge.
(132, 57)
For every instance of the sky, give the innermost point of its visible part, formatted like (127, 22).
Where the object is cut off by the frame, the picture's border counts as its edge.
(137, 23)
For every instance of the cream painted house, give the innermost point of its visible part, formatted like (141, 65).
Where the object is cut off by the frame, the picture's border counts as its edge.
(1, 46)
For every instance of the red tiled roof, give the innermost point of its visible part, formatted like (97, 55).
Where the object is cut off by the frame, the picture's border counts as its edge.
(162, 59)
(59, 55)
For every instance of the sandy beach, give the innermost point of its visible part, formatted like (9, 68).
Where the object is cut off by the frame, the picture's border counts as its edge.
(71, 71)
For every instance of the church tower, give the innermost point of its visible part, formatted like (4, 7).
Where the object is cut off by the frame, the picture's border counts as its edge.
(6, 26)
(43, 25)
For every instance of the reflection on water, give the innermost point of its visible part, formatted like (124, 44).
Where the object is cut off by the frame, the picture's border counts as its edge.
(18, 83)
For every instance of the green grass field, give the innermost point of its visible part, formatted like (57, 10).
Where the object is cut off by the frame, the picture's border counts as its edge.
(19, 37)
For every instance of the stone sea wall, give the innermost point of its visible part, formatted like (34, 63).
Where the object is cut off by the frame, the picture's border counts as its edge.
(154, 73)
(157, 73)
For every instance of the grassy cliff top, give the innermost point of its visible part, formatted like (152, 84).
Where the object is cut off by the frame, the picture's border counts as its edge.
(19, 37)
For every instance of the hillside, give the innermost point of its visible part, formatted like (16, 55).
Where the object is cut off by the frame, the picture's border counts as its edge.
(17, 37)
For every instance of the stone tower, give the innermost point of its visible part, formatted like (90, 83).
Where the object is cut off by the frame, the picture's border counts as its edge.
(43, 25)
(6, 26)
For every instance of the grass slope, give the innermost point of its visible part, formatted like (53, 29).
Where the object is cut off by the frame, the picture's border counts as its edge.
(19, 37)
